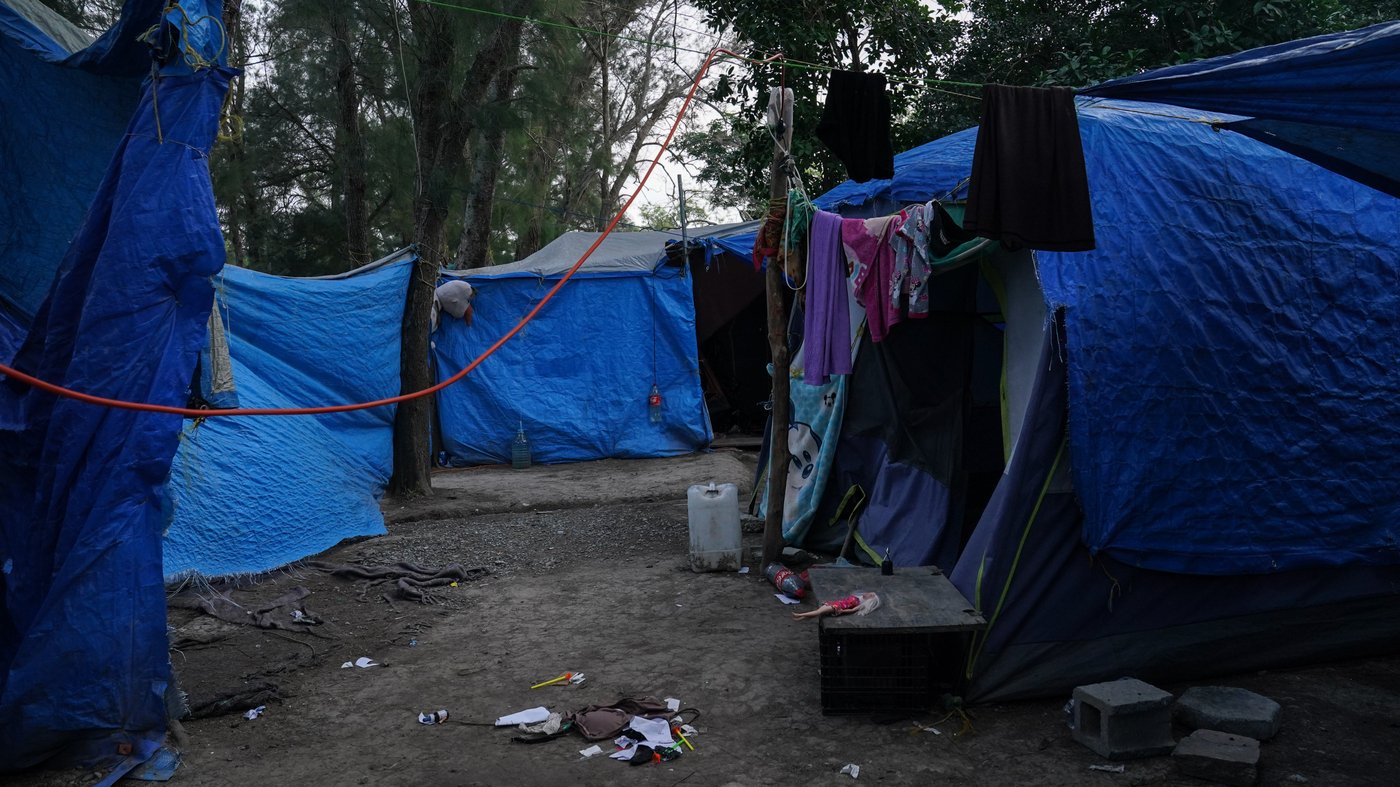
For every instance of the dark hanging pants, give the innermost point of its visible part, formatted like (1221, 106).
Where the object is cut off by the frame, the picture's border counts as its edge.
(1029, 188)
(855, 124)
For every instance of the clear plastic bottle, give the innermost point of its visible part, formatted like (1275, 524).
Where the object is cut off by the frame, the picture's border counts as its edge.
(654, 404)
(520, 450)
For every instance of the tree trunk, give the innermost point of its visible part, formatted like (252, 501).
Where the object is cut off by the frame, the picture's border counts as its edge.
(444, 118)
(605, 149)
(475, 244)
(350, 139)
(534, 185)
(778, 453)
(233, 17)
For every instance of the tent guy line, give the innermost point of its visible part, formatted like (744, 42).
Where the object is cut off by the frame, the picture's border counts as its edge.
(188, 412)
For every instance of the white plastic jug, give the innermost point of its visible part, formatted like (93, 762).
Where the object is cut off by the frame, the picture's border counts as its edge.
(716, 540)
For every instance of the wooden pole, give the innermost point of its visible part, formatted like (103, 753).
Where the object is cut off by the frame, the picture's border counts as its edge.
(780, 106)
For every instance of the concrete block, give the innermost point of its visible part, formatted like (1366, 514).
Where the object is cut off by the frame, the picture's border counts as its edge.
(1219, 757)
(1123, 719)
(1227, 709)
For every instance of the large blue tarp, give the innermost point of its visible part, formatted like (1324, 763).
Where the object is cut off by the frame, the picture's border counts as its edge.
(61, 117)
(1328, 99)
(254, 493)
(579, 375)
(1233, 398)
(82, 605)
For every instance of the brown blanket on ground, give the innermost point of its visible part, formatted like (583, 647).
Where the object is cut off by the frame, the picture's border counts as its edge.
(599, 722)
(274, 614)
(410, 581)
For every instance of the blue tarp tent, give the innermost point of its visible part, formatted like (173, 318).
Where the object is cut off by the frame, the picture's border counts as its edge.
(83, 659)
(1194, 469)
(578, 376)
(252, 494)
(1328, 99)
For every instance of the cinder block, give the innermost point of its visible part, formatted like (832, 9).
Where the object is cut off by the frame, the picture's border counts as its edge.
(1123, 719)
(1227, 709)
(1219, 757)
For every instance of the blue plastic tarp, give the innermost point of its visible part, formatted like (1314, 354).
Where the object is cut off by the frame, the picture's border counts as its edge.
(61, 117)
(1232, 391)
(578, 376)
(1328, 99)
(84, 645)
(254, 493)
(83, 648)
(12, 332)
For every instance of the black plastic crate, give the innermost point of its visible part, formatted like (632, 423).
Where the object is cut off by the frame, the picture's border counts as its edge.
(885, 671)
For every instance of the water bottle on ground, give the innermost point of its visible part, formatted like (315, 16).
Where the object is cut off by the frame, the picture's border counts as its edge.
(520, 450)
(654, 404)
(787, 580)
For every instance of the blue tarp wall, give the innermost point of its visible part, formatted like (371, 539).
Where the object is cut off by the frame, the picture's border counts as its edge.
(252, 494)
(62, 114)
(578, 376)
(83, 655)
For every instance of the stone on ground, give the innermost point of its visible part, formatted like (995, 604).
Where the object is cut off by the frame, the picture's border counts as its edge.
(1228, 710)
(1219, 757)
(1123, 719)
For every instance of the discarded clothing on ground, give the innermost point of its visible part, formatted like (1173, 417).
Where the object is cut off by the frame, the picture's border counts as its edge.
(411, 581)
(555, 726)
(279, 613)
(600, 722)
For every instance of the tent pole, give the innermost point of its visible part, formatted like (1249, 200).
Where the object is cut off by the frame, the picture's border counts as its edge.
(779, 106)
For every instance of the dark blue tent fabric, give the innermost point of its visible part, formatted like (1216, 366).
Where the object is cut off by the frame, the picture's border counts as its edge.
(1369, 157)
(82, 629)
(1344, 79)
(12, 333)
(1328, 99)
(61, 117)
(579, 374)
(1059, 616)
(1232, 388)
(235, 481)
(1232, 395)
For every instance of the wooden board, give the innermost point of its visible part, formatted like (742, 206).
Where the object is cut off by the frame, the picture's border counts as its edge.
(911, 600)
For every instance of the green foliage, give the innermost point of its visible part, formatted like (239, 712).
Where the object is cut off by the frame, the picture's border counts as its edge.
(667, 217)
(1017, 42)
(281, 185)
(1087, 41)
(896, 37)
(281, 180)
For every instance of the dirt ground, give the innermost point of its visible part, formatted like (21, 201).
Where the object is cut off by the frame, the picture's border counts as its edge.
(588, 573)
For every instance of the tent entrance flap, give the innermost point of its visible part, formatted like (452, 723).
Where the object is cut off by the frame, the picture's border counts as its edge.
(731, 326)
(934, 410)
